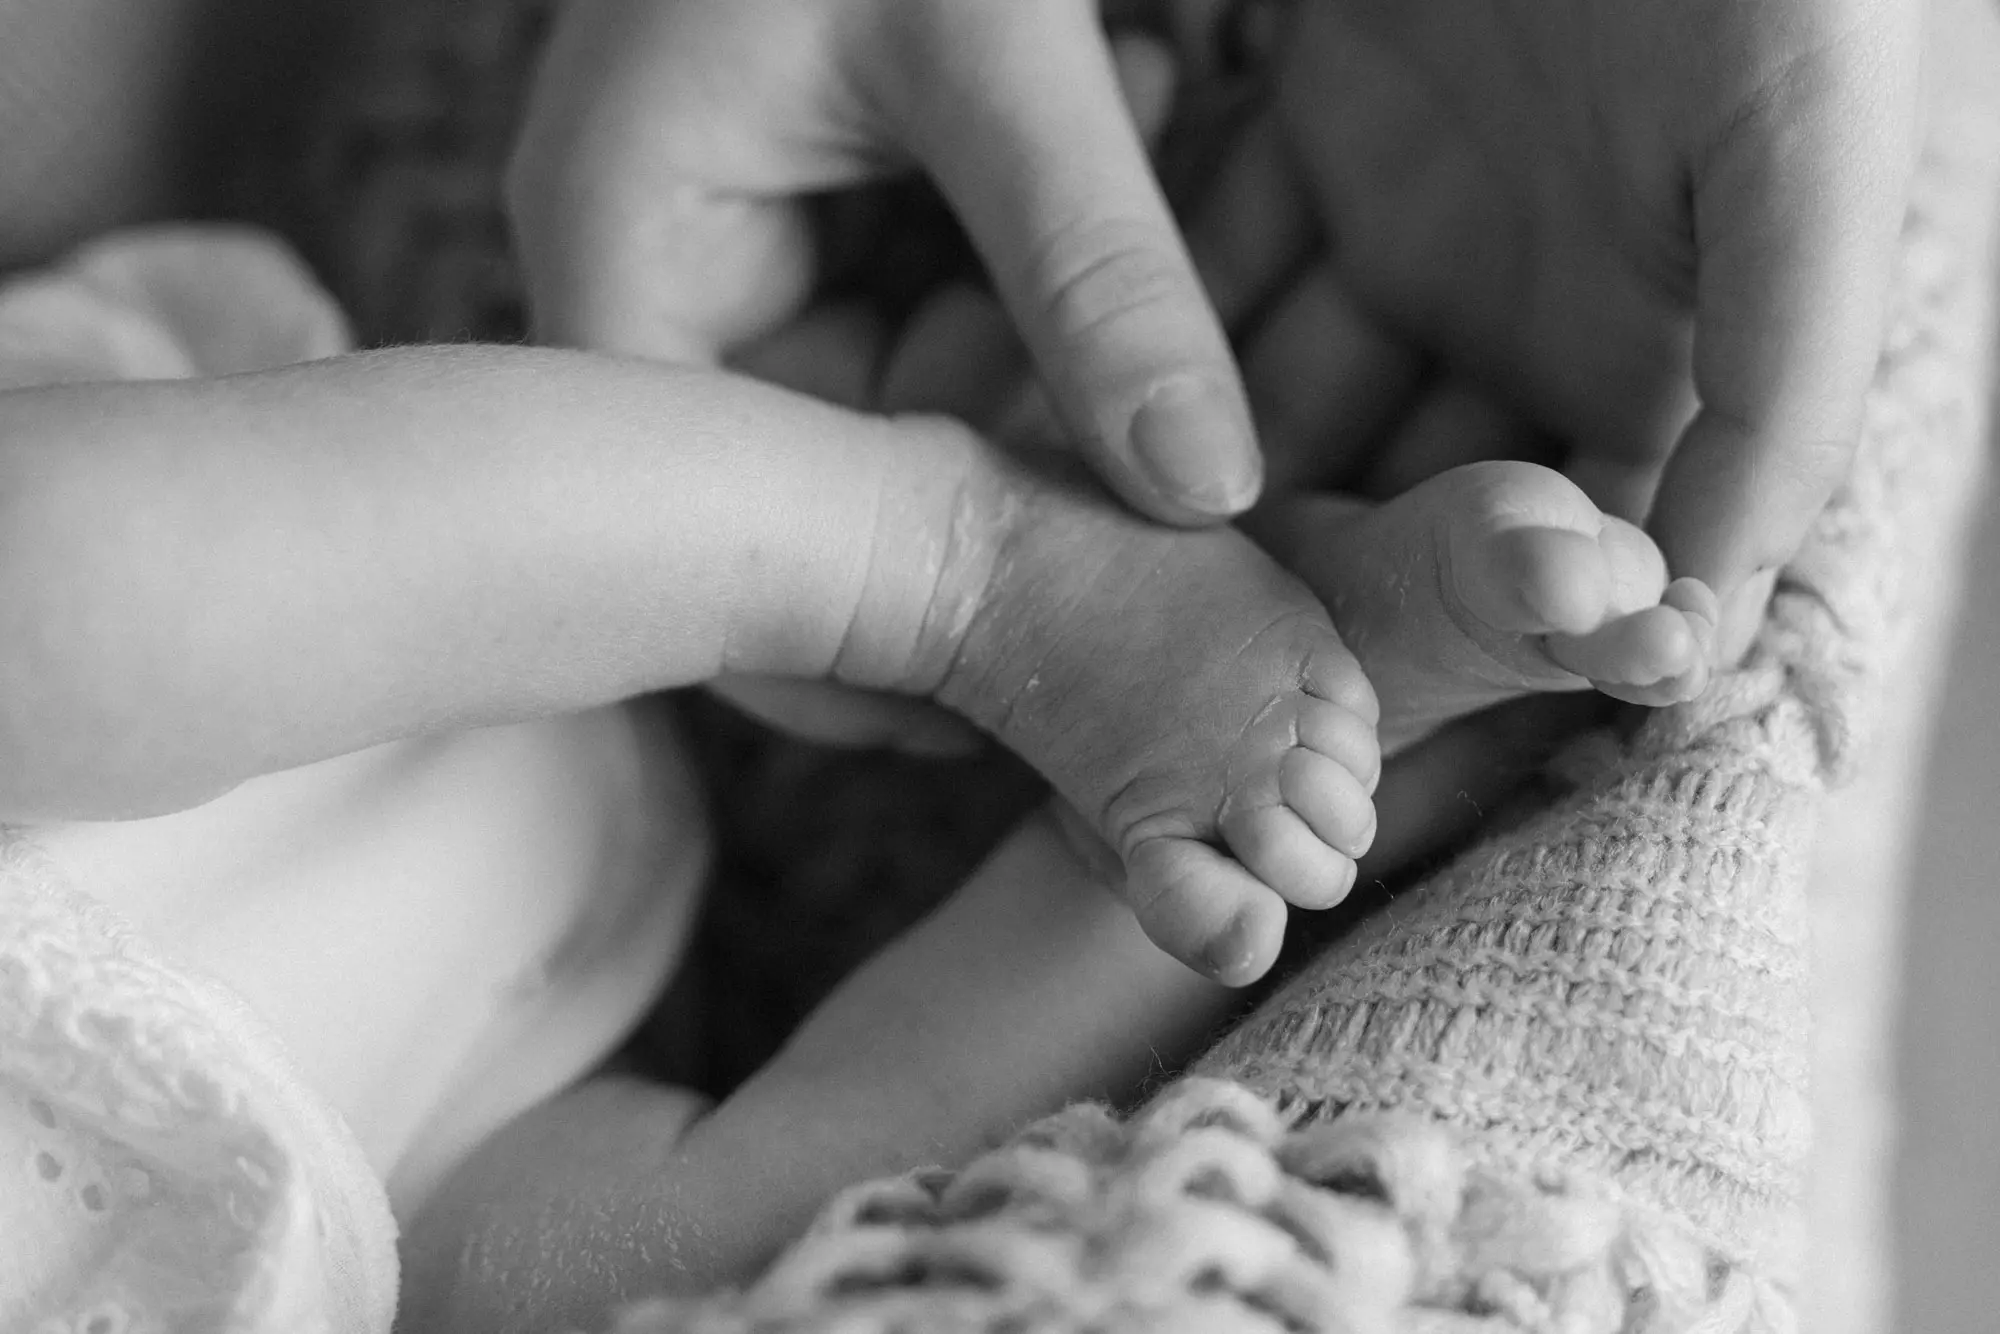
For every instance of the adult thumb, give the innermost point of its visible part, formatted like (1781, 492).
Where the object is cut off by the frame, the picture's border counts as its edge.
(1017, 112)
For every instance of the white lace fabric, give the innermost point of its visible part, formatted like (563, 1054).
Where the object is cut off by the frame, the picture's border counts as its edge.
(162, 1167)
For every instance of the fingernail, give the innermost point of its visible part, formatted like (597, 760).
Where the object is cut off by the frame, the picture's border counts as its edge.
(1194, 444)
(1231, 956)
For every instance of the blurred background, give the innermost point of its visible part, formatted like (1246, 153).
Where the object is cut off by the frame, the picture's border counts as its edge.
(1946, 1045)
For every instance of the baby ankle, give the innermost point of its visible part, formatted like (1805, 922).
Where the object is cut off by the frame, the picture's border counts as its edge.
(1015, 590)
(938, 551)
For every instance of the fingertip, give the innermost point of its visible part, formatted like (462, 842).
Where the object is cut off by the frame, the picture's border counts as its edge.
(1193, 444)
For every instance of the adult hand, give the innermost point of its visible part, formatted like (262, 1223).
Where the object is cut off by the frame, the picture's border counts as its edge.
(660, 194)
(1661, 227)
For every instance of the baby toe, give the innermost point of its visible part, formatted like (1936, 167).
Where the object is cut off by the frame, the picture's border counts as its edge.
(1697, 602)
(1343, 736)
(1205, 910)
(1635, 564)
(1645, 648)
(1530, 581)
(1276, 845)
(1332, 676)
(1676, 689)
(1329, 797)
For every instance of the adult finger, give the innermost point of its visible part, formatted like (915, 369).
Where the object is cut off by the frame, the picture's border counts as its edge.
(1797, 211)
(237, 298)
(656, 209)
(1228, 38)
(56, 328)
(1017, 410)
(1453, 423)
(1252, 227)
(1325, 383)
(833, 353)
(1017, 112)
(957, 357)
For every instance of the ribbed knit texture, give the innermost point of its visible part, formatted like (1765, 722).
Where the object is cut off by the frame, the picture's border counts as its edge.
(170, 1168)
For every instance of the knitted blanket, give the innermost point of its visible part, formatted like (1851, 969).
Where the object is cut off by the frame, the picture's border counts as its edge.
(1564, 1083)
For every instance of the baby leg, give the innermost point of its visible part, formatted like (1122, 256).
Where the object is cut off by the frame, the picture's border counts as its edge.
(1031, 987)
(1490, 581)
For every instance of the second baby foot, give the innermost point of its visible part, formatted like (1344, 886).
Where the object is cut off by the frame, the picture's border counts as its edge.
(1490, 581)
(1188, 697)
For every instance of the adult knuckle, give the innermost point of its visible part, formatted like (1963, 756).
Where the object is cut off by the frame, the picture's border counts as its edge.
(1101, 274)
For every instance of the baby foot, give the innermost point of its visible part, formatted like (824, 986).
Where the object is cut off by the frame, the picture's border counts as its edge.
(1490, 581)
(1188, 697)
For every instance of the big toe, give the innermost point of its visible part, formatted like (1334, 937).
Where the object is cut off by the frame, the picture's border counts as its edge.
(1635, 565)
(1532, 581)
(1205, 909)
(1529, 554)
